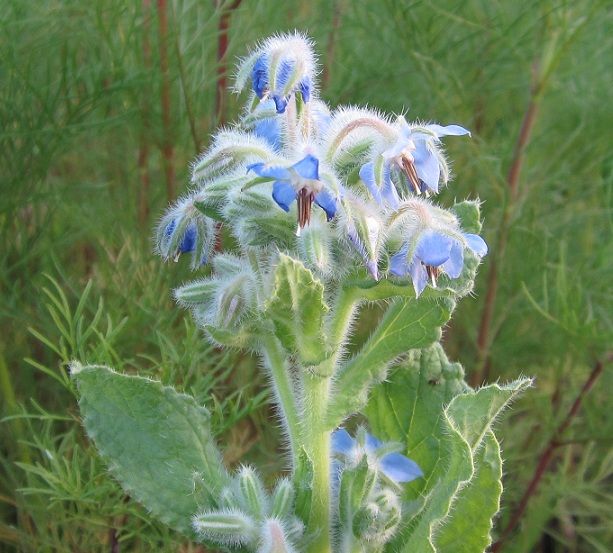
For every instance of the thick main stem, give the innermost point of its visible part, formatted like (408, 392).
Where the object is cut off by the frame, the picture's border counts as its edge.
(317, 444)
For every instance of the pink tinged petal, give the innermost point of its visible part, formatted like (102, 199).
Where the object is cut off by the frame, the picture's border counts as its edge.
(324, 200)
(308, 167)
(449, 130)
(399, 468)
(453, 266)
(476, 244)
(284, 194)
(419, 276)
(342, 442)
(433, 248)
(426, 165)
(270, 171)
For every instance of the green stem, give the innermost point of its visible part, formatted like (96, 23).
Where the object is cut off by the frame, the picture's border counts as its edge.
(318, 449)
(275, 361)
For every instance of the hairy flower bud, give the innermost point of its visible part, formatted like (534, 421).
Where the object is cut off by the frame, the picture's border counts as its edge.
(231, 527)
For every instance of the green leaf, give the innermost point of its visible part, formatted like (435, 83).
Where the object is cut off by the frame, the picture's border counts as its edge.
(157, 441)
(407, 324)
(446, 428)
(297, 309)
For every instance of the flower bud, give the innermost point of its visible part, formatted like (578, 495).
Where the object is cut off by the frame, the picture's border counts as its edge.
(274, 538)
(229, 527)
(251, 493)
(282, 499)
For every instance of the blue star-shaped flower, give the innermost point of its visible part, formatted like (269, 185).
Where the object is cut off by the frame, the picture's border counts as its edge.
(298, 182)
(434, 253)
(395, 466)
(414, 154)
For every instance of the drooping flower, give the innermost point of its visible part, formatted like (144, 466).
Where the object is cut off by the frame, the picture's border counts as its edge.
(434, 253)
(299, 182)
(415, 153)
(395, 466)
(283, 66)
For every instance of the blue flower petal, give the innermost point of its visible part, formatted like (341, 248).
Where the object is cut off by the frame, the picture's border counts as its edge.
(449, 130)
(453, 266)
(283, 193)
(389, 192)
(396, 149)
(367, 174)
(433, 248)
(419, 276)
(283, 74)
(342, 442)
(308, 167)
(325, 200)
(372, 443)
(269, 171)
(280, 103)
(305, 89)
(188, 243)
(399, 468)
(398, 262)
(476, 244)
(170, 228)
(259, 76)
(270, 130)
(426, 165)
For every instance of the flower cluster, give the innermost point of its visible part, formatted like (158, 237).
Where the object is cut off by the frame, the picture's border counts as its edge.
(373, 176)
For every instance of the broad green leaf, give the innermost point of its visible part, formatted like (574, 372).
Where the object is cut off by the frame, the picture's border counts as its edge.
(297, 309)
(157, 442)
(467, 529)
(446, 427)
(407, 324)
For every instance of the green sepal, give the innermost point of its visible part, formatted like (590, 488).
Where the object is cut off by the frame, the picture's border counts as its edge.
(158, 442)
(469, 214)
(297, 309)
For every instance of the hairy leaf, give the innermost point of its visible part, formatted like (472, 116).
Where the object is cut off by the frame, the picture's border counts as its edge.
(157, 441)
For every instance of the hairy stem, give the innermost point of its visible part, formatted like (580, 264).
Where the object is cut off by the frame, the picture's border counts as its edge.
(317, 445)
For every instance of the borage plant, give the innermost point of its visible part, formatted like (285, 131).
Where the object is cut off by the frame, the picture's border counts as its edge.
(389, 448)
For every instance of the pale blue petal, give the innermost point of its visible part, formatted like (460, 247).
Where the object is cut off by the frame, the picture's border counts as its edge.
(367, 174)
(398, 262)
(270, 130)
(270, 171)
(476, 244)
(449, 130)
(419, 276)
(453, 266)
(399, 468)
(426, 165)
(308, 167)
(283, 193)
(433, 248)
(342, 442)
(389, 192)
(372, 443)
(325, 200)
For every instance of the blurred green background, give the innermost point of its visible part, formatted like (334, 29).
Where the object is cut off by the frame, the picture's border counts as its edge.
(103, 105)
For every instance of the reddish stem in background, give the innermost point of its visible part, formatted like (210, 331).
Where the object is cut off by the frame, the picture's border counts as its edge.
(547, 454)
(485, 326)
(222, 69)
(337, 15)
(143, 149)
(167, 147)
